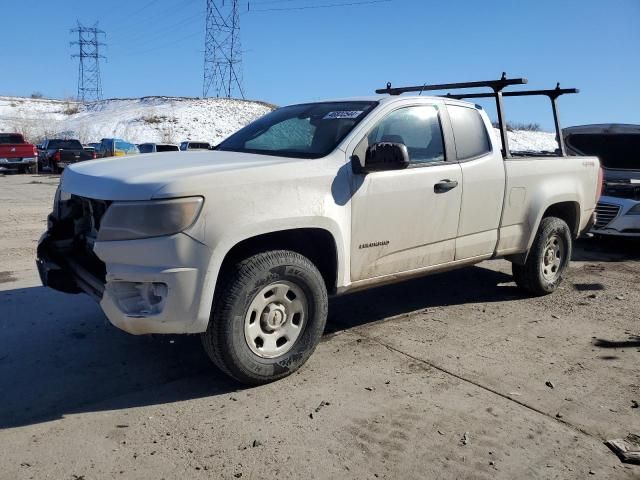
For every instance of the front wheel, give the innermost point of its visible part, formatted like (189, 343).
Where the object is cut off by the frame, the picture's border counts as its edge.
(547, 260)
(267, 318)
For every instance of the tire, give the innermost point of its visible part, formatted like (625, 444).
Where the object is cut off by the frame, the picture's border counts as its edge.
(548, 258)
(265, 299)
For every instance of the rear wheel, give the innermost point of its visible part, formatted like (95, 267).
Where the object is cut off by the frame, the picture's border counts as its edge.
(267, 318)
(547, 260)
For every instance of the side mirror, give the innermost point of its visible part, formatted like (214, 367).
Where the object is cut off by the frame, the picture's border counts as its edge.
(385, 156)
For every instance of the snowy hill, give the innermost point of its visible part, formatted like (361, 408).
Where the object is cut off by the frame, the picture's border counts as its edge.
(162, 119)
(147, 119)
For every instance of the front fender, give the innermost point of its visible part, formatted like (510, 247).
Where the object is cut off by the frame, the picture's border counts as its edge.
(231, 238)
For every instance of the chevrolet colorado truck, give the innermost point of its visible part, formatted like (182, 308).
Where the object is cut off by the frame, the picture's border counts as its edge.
(57, 154)
(244, 244)
(16, 154)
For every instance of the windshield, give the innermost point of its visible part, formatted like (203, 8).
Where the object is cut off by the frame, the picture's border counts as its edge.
(620, 151)
(145, 148)
(65, 144)
(311, 130)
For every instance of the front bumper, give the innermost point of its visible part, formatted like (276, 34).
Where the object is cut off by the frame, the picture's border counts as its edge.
(621, 224)
(151, 285)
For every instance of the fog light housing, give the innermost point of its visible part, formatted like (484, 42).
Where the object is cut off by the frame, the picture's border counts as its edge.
(139, 299)
(635, 210)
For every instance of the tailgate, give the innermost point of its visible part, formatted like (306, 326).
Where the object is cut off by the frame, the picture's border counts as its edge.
(17, 151)
(69, 156)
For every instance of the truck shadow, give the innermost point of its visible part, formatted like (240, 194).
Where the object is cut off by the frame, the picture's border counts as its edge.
(632, 341)
(60, 356)
(468, 285)
(606, 249)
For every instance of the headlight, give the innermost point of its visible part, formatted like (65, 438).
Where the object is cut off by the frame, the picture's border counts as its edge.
(635, 210)
(155, 218)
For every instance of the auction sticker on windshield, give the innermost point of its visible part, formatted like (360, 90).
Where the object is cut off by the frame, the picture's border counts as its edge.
(342, 114)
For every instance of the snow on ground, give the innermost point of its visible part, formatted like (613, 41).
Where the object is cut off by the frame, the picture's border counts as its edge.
(138, 120)
(162, 119)
(527, 141)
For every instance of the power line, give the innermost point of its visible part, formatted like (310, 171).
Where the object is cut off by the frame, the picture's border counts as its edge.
(157, 19)
(155, 35)
(309, 7)
(171, 43)
(89, 80)
(222, 50)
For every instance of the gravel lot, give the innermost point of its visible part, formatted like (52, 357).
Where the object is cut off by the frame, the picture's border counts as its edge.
(404, 372)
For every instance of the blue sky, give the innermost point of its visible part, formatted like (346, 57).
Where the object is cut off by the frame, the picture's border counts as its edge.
(155, 47)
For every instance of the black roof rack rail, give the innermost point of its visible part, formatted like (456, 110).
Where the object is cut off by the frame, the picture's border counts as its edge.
(497, 86)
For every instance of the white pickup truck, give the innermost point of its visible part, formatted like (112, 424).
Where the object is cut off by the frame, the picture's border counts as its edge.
(244, 244)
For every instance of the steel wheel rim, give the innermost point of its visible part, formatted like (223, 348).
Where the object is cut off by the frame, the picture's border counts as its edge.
(275, 319)
(552, 257)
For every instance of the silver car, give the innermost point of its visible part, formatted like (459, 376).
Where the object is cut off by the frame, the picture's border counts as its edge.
(618, 147)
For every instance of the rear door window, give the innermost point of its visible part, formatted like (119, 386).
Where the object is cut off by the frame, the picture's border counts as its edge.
(469, 131)
(198, 146)
(166, 148)
(7, 139)
(65, 144)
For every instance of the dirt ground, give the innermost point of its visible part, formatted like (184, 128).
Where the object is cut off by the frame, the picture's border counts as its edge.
(457, 375)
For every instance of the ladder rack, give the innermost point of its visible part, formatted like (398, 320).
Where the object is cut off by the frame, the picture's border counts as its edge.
(497, 86)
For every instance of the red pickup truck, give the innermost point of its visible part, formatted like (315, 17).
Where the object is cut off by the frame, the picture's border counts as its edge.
(16, 154)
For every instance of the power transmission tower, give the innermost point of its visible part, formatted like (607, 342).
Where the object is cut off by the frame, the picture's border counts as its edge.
(89, 82)
(222, 51)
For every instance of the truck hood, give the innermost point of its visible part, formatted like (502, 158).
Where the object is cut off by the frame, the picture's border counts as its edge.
(141, 177)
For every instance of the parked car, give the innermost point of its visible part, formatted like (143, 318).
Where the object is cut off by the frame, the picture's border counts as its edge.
(618, 148)
(157, 147)
(16, 154)
(94, 145)
(115, 147)
(187, 146)
(243, 244)
(56, 154)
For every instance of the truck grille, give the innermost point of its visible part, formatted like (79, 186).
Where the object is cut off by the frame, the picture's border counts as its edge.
(606, 212)
(73, 230)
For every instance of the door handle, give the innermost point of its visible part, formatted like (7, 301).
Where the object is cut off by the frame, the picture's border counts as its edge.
(445, 185)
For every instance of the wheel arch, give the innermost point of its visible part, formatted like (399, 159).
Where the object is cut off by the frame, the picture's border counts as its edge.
(317, 244)
(568, 210)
